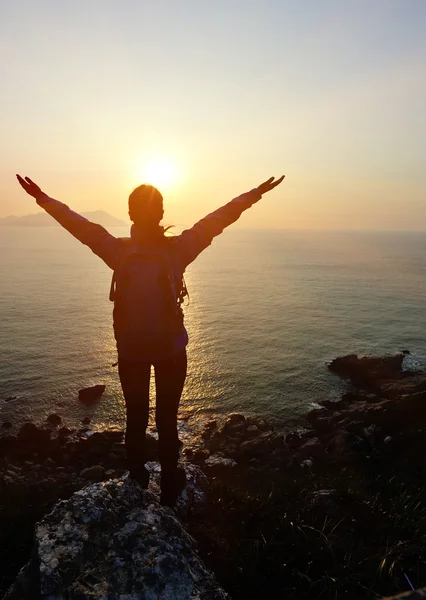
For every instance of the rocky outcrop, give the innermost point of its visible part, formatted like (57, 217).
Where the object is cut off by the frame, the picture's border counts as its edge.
(241, 439)
(383, 375)
(113, 540)
(384, 414)
(368, 368)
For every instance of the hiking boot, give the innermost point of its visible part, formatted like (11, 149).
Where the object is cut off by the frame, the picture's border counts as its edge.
(141, 475)
(172, 484)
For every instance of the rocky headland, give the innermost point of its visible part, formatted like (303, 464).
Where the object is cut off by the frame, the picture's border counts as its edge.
(333, 509)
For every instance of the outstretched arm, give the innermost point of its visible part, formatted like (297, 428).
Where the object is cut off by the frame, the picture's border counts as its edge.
(102, 243)
(200, 236)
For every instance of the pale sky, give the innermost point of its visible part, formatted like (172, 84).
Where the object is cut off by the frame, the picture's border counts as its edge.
(330, 92)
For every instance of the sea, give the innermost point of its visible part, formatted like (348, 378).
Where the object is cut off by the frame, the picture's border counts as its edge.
(267, 311)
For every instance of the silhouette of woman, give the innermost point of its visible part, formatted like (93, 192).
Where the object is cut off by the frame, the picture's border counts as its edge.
(148, 292)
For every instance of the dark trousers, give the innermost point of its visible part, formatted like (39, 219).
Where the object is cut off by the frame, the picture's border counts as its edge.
(170, 377)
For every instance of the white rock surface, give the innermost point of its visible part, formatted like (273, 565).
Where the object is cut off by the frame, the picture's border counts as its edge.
(219, 461)
(113, 541)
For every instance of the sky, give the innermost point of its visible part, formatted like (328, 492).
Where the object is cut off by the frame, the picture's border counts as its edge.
(331, 93)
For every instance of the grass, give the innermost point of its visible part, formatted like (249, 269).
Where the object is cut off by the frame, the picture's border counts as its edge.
(270, 534)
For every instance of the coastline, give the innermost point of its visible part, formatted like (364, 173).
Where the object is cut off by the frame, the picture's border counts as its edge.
(287, 505)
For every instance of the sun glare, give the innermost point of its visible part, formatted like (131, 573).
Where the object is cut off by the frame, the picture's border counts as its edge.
(160, 172)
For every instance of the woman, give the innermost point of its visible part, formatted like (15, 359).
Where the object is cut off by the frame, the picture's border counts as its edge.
(147, 290)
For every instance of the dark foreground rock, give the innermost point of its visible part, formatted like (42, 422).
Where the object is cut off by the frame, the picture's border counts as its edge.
(113, 540)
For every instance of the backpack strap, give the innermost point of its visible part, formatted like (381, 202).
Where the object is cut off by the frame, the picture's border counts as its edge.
(125, 242)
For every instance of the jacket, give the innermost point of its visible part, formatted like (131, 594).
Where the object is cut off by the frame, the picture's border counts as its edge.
(184, 250)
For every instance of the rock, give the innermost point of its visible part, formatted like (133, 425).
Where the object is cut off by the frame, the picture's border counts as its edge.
(259, 446)
(233, 423)
(259, 422)
(372, 398)
(199, 456)
(95, 473)
(293, 440)
(208, 430)
(185, 416)
(90, 394)
(357, 427)
(307, 464)
(253, 429)
(112, 540)
(31, 435)
(64, 431)
(346, 445)
(192, 500)
(369, 368)
(312, 448)
(7, 444)
(219, 461)
(54, 419)
(413, 383)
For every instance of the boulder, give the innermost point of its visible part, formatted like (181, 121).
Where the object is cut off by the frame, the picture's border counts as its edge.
(54, 419)
(259, 422)
(95, 473)
(8, 443)
(209, 428)
(64, 432)
(260, 446)
(368, 368)
(293, 440)
(113, 540)
(31, 435)
(219, 461)
(312, 448)
(234, 424)
(90, 394)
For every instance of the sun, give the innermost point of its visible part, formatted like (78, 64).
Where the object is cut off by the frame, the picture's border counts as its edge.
(159, 172)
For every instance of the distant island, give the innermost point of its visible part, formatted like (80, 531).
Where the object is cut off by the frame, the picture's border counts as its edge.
(43, 219)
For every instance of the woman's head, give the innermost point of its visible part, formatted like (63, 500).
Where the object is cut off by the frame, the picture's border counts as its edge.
(146, 206)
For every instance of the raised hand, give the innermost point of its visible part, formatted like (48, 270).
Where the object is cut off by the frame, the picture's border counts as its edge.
(30, 187)
(269, 185)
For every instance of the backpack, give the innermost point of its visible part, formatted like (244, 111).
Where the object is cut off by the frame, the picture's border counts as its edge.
(147, 315)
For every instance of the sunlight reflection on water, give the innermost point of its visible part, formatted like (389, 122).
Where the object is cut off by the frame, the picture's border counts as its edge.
(267, 311)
